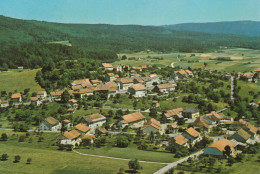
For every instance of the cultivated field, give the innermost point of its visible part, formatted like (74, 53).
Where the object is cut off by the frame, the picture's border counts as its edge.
(237, 59)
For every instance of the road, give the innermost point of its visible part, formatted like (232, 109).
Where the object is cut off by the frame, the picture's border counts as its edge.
(174, 164)
(109, 157)
(9, 129)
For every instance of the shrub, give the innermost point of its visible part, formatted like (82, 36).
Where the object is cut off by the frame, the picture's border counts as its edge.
(17, 158)
(4, 157)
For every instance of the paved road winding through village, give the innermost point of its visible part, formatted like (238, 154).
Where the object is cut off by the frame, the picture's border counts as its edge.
(174, 164)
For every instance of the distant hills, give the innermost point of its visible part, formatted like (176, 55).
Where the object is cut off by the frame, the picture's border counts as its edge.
(119, 38)
(247, 28)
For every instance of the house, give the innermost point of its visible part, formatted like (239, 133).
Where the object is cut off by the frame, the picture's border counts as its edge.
(73, 103)
(16, 98)
(70, 138)
(107, 66)
(173, 129)
(94, 120)
(82, 128)
(4, 103)
(219, 148)
(95, 82)
(151, 126)
(35, 101)
(90, 137)
(191, 113)
(81, 93)
(66, 123)
(137, 90)
(152, 80)
(41, 94)
(179, 141)
(124, 83)
(118, 68)
(110, 77)
(79, 84)
(192, 135)
(216, 117)
(172, 114)
(202, 124)
(101, 131)
(110, 88)
(134, 120)
(181, 74)
(240, 136)
(56, 95)
(138, 80)
(248, 76)
(165, 88)
(50, 124)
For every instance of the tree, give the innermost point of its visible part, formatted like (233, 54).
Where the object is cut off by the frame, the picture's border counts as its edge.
(230, 161)
(134, 165)
(65, 97)
(4, 137)
(4, 157)
(153, 113)
(122, 141)
(124, 57)
(227, 150)
(205, 64)
(29, 160)
(151, 136)
(17, 158)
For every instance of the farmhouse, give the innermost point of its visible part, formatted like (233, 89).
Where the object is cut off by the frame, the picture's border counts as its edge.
(89, 137)
(67, 123)
(124, 83)
(73, 103)
(134, 120)
(82, 128)
(137, 90)
(191, 113)
(17, 98)
(192, 135)
(165, 88)
(151, 126)
(42, 94)
(172, 114)
(219, 148)
(4, 103)
(107, 66)
(110, 77)
(138, 80)
(110, 88)
(82, 83)
(94, 120)
(181, 74)
(81, 93)
(50, 124)
(56, 95)
(70, 138)
(216, 117)
(173, 129)
(101, 131)
(35, 101)
(95, 82)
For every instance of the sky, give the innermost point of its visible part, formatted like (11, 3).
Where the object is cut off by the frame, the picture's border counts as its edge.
(142, 12)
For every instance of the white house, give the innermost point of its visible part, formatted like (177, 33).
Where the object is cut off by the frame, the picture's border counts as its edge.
(134, 120)
(35, 101)
(137, 90)
(165, 88)
(70, 138)
(50, 124)
(81, 93)
(17, 98)
(94, 120)
(107, 66)
(173, 113)
(218, 148)
(42, 94)
(4, 104)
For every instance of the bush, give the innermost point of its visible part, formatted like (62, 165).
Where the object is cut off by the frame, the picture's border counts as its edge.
(21, 138)
(4, 157)
(29, 160)
(17, 158)
(4, 137)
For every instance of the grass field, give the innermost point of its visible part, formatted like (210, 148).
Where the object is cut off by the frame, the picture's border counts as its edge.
(248, 86)
(46, 159)
(15, 80)
(131, 152)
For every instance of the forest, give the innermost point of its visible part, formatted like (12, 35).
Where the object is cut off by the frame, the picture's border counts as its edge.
(27, 43)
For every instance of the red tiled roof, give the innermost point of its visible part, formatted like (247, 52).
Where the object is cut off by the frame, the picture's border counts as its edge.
(221, 144)
(191, 131)
(180, 140)
(16, 95)
(173, 112)
(129, 118)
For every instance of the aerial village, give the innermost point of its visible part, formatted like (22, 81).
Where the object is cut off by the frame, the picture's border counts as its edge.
(174, 130)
